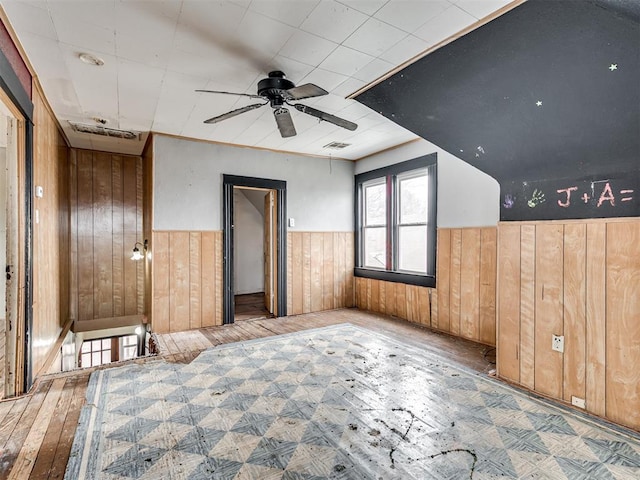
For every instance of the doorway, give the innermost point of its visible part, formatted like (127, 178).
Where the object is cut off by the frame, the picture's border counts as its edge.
(11, 318)
(254, 247)
(254, 238)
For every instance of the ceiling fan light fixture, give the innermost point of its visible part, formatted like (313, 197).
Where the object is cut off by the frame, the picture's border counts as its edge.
(277, 91)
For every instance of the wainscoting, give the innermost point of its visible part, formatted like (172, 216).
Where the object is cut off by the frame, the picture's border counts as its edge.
(463, 302)
(580, 279)
(50, 236)
(465, 296)
(187, 280)
(319, 271)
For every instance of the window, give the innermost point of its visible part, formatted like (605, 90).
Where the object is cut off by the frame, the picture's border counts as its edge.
(395, 222)
(128, 347)
(103, 350)
(95, 352)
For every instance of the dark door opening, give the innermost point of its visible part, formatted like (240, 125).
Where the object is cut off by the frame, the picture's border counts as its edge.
(249, 283)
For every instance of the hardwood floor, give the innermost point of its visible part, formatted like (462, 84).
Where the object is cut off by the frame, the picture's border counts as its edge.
(250, 306)
(37, 430)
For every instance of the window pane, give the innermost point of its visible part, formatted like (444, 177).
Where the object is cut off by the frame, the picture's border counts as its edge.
(86, 347)
(413, 199)
(130, 340)
(128, 353)
(106, 356)
(86, 360)
(375, 247)
(412, 248)
(96, 358)
(375, 204)
(106, 343)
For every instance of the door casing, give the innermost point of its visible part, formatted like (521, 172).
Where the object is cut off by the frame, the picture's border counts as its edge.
(280, 186)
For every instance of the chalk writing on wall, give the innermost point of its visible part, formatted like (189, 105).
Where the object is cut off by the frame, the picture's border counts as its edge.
(617, 196)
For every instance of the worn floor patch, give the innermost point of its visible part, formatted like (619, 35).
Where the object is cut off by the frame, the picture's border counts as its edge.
(339, 402)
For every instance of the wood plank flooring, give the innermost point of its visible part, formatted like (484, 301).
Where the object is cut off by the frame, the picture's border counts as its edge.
(37, 430)
(250, 306)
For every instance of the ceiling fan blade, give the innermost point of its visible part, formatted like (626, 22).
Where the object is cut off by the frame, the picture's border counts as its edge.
(231, 93)
(233, 113)
(308, 90)
(327, 117)
(284, 121)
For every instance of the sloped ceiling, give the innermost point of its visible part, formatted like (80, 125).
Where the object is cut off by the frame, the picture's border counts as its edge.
(549, 90)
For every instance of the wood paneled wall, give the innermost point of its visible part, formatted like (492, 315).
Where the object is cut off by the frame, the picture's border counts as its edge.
(463, 302)
(408, 302)
(106, 221)
(187, 280)
(50, 234)
(580, 279)
(319, 271)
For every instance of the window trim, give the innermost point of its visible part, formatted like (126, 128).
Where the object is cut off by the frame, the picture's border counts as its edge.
(398, 276)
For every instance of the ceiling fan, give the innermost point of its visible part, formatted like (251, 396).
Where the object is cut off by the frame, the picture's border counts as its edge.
(278, 91)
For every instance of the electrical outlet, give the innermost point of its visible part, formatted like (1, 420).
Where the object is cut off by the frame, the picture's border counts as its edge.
(578, 402)
(292, 222)
(557, 343)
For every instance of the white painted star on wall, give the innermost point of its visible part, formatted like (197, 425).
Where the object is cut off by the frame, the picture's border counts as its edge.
(613, 66)
(539, 103)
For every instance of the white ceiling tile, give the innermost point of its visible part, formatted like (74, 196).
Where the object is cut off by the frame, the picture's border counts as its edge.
(330, 103)
(144, 11)
(324, 79)
(95, 87)
(448, 23)
(90, 12)
(372, 120)
(291, 12)
(139, 22)
(408, 15)
(406, 49)
(481, 8)
(374, 37)
(373, 70)
(205, 25)
(333, 21)
(139, 87)
(230, 76)
(261, 37)
(30, 18)
(368, 7)
(348, 87)
(354, 111)
(345, 61)
(256, 131)
(85, 38)
(307, 48)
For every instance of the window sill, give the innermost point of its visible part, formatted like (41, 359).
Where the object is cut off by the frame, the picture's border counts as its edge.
(396, 277)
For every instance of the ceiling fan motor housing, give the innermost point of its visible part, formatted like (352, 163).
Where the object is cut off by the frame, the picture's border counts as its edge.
(274, 87)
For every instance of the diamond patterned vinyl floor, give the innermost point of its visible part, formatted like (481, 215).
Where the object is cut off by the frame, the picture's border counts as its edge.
(338, 402)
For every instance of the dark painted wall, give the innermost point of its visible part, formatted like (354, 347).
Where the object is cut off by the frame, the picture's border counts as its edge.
(547, 95)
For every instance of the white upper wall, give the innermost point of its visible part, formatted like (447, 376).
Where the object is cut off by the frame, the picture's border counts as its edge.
(188, 185)
(467, 197)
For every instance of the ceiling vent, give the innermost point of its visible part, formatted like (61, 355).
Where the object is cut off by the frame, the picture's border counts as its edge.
(337, 145)
(104, 131)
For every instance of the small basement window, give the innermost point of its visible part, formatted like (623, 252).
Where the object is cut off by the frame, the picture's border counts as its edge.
(102, 351)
